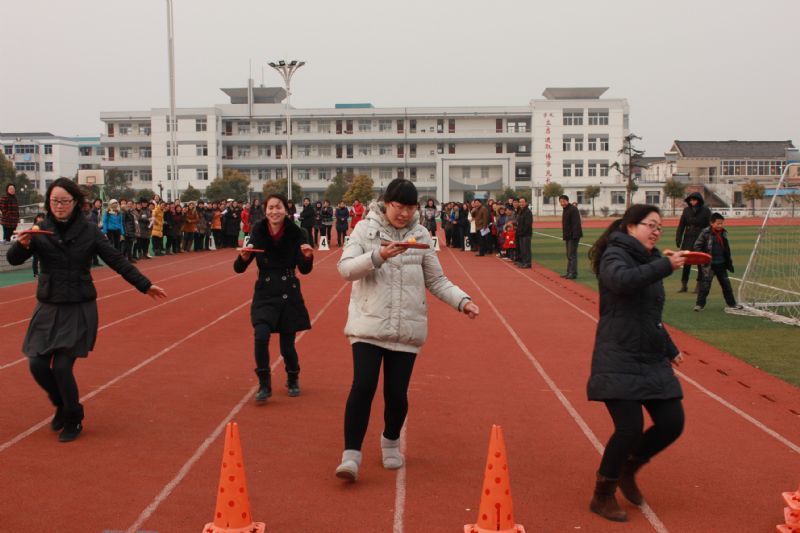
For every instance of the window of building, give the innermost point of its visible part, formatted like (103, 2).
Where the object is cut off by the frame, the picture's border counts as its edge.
(440, 148)
(400, 126)
(604, 169)
(279, 173)
(412, 150)
(323, 126)
(324, 150)
(364, 125)
(264, 174)
(303, 150)
(85, 151)
(385, 149)
(124, 129)
(484, 173)
(26, 167)
(48, 149)
(413, 174)
(604, 144)
(498, 148)
(617, 197)
(48, 166)
(202, 174)
(364, 149)
(349, 151)
(144, 129)
(566, 144)
(652, 197)
(566, 169)
(579, 144)
(385, 174)
(25, 149)
(498, 125)
(451, 148)
(466, 173)
(578, 170)
(263, 127)
(243, 151)
(8, 149)
(440, 125)
(264, 150)
(168, 124)
(201, 149)
(324, 174)
(124, 152)
(303, 174)
(146, 175)
(412, 125)
(592, 169)
(598, 117)
(243, 127)
(592, 144)
(200, 124)
(280, 127)
(384, 125)
(401, 173)
(451, 125)
(580, 198)
(573, 117)
(303, 126)
(145, 152)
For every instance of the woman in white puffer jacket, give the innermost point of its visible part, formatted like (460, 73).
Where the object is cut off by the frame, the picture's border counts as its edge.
(388, 316)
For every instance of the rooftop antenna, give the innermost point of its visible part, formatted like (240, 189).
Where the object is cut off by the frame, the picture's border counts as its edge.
(262, 75)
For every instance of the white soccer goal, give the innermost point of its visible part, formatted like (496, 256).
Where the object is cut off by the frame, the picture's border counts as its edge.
(770, 286)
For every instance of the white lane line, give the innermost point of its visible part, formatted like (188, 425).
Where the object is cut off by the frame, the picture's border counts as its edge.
(142, 312)
(400, 487)
(760, 425)
(125, 374)
(128, 290)
(184, 470)
(581, 423)
(114, 275)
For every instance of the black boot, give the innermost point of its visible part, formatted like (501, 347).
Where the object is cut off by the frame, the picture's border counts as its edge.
(696, 288)
(627, 480)
(683, 287)
(604, 502)
(57, 423)
(264, 385)
(72, 424)
(293, 383)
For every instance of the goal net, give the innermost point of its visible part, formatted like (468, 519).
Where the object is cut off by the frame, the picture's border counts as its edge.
(770, 285)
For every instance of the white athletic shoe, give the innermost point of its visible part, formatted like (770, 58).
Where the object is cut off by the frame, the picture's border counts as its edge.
(351, 461)
(392, 458)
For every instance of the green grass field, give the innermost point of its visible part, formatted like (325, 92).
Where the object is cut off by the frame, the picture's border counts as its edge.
(764, 344)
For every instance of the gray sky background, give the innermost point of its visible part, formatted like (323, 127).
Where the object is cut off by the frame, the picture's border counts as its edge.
(690, 69)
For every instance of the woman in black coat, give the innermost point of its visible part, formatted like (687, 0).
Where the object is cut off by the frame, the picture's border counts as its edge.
(278, 305)
(64, 322)
(694, 219)
(308, 216)
(633, 353)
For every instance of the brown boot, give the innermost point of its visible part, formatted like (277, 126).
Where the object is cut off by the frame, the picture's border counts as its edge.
(627, 480)
(604, 501)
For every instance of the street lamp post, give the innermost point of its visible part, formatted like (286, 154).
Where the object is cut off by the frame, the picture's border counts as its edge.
(287, 70)
(172, 167)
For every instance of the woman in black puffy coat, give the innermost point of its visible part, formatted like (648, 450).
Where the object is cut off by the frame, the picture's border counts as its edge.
(64, 322)
(633, 353)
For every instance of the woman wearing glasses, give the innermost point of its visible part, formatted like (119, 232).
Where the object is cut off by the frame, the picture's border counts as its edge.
(64, 322)
(633, 353)
(388, 316)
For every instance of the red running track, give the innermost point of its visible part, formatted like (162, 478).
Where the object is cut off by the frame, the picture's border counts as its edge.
(163, 381)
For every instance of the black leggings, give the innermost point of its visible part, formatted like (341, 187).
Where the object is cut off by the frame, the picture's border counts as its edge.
(290, 359)
(628, 439)
(54, 374)
(397, 367)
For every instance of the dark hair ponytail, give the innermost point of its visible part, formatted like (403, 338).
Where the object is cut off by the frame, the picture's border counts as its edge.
(633, 215)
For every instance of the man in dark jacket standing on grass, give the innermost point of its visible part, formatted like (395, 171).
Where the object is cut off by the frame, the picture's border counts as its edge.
(524, 234)
(571, 232)
(694, 219)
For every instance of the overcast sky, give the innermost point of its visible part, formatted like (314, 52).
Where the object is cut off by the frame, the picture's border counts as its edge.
(690, 69)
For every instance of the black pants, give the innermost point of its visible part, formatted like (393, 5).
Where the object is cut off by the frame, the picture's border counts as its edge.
(188, 240)
(572, 256)
(198, 241)
(158, 244)
(397, 367)
(628, 439)
(316, 231)
(326, 231)
(8, 231)
(721, 274)
(261, 337)
(114, 238)
(524, 244)
(144, 246)
(127, 247)
(340, 235)
(54, 374)
(687, 270)
(218, 242)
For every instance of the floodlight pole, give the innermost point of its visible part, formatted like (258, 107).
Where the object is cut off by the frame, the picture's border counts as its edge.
(172, 124)
(287, 69)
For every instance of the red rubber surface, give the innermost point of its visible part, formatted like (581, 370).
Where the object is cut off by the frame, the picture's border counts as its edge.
(723, 474)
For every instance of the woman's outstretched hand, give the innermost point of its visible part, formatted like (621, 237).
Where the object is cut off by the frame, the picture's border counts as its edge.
(471, 310)
(156, 292)
(307, 250)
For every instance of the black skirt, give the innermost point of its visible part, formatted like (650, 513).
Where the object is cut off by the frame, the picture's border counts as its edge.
(67, 328)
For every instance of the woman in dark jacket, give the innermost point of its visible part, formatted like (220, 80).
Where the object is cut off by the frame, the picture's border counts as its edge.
(317, 222)
(342, 218)
(631, 362)
(308, 216)
(278, 305)
(326, 219)
(64, 322)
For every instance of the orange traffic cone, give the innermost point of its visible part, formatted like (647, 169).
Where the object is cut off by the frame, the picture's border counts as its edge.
(791, 514)
(233, 504)
(496, 512)
(792, 499)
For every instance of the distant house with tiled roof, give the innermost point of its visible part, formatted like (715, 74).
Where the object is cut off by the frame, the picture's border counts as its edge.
(717, 169)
